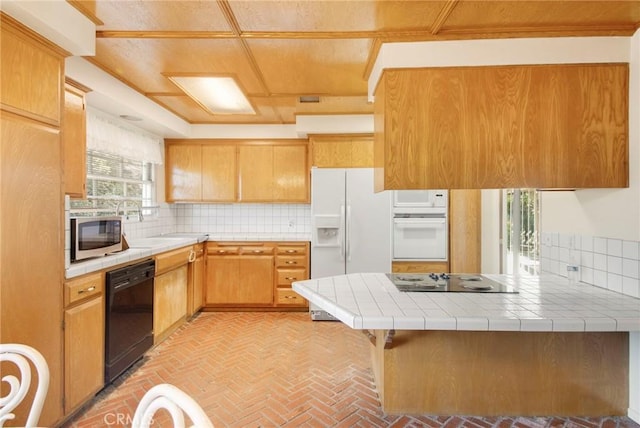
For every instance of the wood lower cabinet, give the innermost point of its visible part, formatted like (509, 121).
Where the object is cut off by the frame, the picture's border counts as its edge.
(169, 302)
(83, 340)
(258, 275)
(419, 267)
(195, 290)
(239, 275)
(292, 264)
(170, 292)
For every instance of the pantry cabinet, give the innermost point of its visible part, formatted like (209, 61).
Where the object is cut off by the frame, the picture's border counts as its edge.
(31, 294)
(84, 326)
(237, 171)
(525, 126)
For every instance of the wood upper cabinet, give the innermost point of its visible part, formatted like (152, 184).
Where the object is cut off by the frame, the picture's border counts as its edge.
(237, 171)
(74, 141)
(219, 173)
(544, 126)
(273, 173)
(183, 172)
(342, 151)
(255, 169)
(290, 173)
(32, 74)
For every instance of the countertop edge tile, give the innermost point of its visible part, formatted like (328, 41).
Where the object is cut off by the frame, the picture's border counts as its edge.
(547, 303)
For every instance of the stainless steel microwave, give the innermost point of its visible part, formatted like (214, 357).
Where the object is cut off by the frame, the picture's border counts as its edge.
(95, 236)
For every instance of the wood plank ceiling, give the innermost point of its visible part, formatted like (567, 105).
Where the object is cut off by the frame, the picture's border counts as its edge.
(279, 51)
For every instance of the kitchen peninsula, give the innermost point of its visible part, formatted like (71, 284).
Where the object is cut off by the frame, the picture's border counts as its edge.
(551, 349)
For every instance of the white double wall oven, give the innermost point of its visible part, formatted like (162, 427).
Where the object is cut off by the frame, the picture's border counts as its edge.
(420, 225)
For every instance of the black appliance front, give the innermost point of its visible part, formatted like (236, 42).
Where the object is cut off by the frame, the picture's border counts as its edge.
(129, 317)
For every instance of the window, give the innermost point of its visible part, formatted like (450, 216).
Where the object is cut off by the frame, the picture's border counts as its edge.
(112, 179)
(521, 248)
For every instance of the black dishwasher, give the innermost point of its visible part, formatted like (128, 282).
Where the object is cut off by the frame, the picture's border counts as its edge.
(128, 316)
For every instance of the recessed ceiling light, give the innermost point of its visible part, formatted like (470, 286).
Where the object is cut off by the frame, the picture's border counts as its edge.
(130, 117)
(217, 95)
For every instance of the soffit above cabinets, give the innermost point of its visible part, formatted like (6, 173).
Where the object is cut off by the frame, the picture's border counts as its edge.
(279, 51)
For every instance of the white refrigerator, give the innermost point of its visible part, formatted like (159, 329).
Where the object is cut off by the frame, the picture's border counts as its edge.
(351, 225)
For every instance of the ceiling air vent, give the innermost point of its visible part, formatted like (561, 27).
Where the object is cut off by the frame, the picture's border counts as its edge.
(310, 99)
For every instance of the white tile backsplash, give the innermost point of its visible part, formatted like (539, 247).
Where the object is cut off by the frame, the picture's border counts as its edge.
(604, 262)
(243, 218)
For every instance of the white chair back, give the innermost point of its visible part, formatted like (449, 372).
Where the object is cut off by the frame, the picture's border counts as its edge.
(20, 355)
(175, 401)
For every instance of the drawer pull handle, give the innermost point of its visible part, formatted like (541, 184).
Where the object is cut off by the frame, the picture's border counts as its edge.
(290, 278)
(93, 287)
(258, 251)
(291, 262)
(221, 251)
(290, 297)
(291, 251)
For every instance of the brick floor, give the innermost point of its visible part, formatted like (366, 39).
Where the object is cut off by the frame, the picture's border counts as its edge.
(277, 369)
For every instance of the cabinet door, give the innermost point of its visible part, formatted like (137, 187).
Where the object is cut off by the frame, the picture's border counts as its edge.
(183, 172)
(290, 174)
(84, 352)
(74, 143)
(169, 300)
(223, 276)
(362, 152)
(256, 173)
(240, 280)
(219, 173)
(32, 212)
(198, 284)
(257, 273)
(334, 152)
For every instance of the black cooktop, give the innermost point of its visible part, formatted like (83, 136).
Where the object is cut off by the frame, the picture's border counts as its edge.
(447, 282)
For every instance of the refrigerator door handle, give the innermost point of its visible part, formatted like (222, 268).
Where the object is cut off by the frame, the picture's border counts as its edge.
(348, 227)
(342, 237)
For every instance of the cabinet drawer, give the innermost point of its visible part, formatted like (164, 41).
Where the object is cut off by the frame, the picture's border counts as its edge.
(81, 288)
(291, 261)
(287, 276)
(223, 250)
(256, 250)
(293, 250)
(287, 296)
(172, 259)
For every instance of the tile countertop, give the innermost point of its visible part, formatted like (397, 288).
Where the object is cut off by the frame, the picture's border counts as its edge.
(142, 248)
(545, 303)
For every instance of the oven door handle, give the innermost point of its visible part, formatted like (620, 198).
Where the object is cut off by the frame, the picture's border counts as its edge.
(419, 223)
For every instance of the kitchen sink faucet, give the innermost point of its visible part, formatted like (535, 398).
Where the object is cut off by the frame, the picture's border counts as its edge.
(123, 202)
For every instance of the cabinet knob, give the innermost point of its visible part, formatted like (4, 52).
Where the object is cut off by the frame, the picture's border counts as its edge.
(291, 262)
(258, 251)
(290, 278)
(93, 287)
(291, 251)
(221, 251)
(290, 297)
